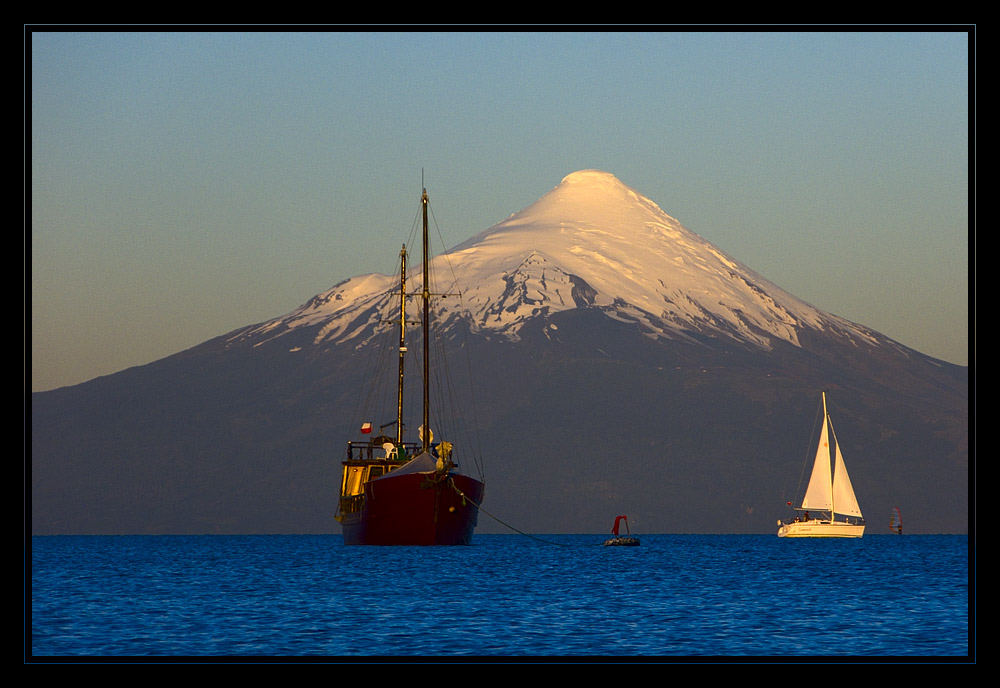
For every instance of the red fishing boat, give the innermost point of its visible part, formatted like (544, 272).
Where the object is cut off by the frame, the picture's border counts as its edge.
(399, 492)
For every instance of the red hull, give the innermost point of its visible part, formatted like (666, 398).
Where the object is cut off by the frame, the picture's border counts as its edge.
(413, 509)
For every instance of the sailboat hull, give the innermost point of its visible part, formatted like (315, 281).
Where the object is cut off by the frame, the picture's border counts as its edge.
(416, 509)
(824, 529)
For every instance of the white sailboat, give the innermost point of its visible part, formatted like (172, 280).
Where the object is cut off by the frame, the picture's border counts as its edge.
(829, 493)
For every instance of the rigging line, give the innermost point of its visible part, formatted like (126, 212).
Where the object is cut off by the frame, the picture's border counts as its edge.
(379, 389)
(381, 386)
(447, 257)
(365, 404)
(448, 394)
(475, 451)
(444, 388)
(478, 457)
(416, 227)
(453, 424)
(449, 387)
(478, 453)
(809, 453)
(501, 522)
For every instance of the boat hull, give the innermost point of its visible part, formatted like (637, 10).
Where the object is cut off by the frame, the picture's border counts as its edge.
(416, 509)
(824, 529)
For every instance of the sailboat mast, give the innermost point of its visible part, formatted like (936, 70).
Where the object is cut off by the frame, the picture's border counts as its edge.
(402, 343)
(826, 420)
(426, 332)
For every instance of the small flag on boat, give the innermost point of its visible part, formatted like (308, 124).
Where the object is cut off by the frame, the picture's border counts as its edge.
(366, 428)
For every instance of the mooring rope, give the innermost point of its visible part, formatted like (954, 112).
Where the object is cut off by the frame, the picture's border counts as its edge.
(500, 521)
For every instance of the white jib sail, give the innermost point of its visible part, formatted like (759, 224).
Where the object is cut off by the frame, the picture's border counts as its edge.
(844, 501)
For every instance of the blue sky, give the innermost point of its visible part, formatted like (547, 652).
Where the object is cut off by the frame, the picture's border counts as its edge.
(187, 184)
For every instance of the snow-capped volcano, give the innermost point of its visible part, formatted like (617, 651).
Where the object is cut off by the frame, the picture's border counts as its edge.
(622, 363)
(590, 242)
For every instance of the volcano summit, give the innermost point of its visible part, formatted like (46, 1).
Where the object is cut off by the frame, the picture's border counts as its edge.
(592, 242)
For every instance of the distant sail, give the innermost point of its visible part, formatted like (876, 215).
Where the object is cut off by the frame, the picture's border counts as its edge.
(896, 521)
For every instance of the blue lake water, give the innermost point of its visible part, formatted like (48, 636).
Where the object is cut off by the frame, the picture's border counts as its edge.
(555, 596)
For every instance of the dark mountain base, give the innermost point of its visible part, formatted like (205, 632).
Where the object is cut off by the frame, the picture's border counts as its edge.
(577, 423)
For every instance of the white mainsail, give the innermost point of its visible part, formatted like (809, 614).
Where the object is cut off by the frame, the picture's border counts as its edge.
(825, 492)
(819, 493)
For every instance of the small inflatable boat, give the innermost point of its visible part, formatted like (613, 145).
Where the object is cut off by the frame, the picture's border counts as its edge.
(621, 540)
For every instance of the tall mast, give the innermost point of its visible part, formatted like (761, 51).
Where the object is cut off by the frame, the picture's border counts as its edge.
(426, 332)
(402, 342)
(829, 455)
